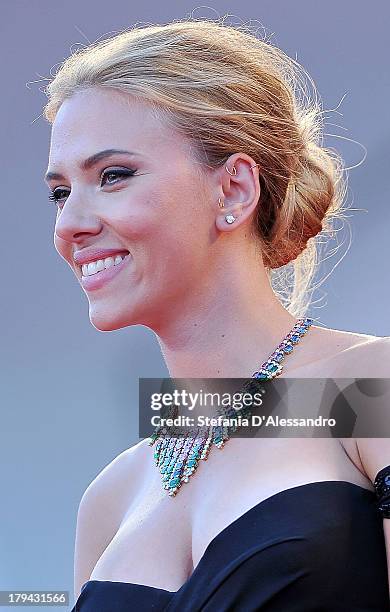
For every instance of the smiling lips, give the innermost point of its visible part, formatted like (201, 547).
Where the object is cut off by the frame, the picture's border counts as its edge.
(101, 264)
(99, 273)
(92, 261)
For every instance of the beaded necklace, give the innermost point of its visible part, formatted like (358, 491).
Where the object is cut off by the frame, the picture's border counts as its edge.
(177, 458)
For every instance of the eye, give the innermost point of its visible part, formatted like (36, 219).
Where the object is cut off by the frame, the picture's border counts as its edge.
(115, 174)
(59, 194)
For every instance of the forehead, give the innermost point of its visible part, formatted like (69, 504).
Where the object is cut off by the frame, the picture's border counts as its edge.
(97, 119)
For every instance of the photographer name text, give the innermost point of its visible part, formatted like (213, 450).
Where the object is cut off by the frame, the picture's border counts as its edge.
(253, 421)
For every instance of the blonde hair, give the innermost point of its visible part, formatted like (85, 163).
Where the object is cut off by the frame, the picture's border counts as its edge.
(227, 91)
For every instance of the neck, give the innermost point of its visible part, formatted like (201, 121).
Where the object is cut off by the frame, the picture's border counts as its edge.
(228, 330)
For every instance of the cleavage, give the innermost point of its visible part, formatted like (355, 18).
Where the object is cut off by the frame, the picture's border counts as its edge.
(153, 543)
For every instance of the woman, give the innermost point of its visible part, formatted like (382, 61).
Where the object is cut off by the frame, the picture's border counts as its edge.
(185, 162)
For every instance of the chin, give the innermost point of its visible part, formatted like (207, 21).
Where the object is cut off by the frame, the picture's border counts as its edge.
(110, 319)
(107, 321)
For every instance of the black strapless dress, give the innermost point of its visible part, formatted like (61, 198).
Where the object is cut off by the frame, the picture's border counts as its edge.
(317, 547)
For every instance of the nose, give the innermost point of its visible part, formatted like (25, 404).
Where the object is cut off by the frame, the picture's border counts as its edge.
(75, 221)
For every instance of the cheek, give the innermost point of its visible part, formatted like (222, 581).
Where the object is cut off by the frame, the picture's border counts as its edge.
(167, 228)
(159, 216)
(162, 242)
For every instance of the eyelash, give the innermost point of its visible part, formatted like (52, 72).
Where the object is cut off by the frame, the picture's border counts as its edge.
(126, 173)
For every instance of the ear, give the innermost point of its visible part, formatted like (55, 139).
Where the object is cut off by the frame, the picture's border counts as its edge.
(239, 183)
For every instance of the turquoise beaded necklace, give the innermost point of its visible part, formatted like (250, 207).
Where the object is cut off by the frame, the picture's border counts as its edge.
(177, 458)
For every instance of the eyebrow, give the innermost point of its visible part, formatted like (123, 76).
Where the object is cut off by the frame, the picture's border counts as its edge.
(88, 163)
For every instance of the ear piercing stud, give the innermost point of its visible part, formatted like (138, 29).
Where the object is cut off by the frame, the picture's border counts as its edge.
(230, 219)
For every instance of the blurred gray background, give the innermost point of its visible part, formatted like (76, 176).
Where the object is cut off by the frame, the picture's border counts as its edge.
(68, 392)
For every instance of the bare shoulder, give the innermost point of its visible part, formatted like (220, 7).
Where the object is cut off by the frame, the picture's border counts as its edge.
(101, 508)
(377, 351)
(344, 338)
(339, 353)
(366, 357)
(357, 355)
(374, 453)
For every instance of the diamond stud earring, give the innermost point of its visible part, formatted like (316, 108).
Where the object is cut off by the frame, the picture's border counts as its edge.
(230, 219)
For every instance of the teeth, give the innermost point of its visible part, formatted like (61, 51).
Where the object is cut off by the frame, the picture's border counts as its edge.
(101, 264)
